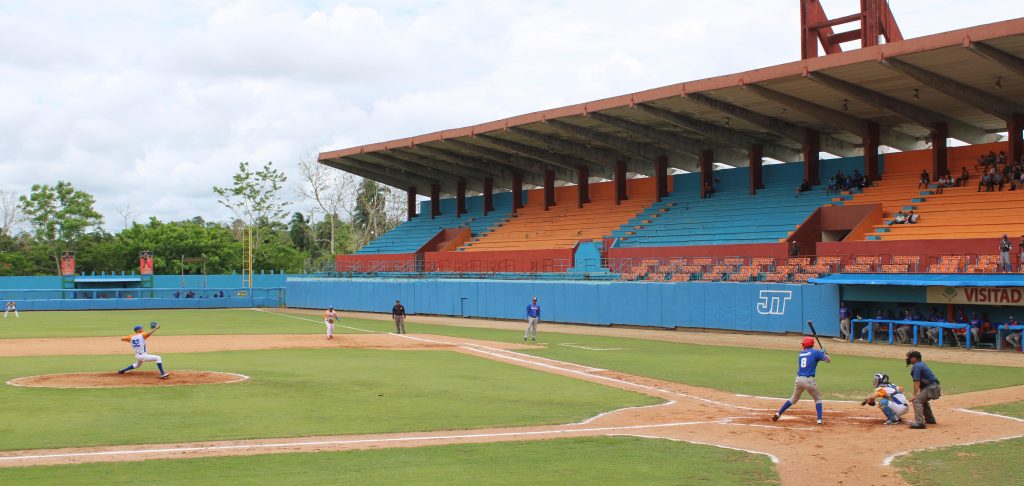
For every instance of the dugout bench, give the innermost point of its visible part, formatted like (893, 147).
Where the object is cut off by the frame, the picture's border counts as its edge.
(953, 326)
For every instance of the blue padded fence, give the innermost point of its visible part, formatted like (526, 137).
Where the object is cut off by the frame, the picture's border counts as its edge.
(122, 299)
(773, 308)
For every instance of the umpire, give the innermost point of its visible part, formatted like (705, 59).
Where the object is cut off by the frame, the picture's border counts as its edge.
(398, 314)
(926, 389)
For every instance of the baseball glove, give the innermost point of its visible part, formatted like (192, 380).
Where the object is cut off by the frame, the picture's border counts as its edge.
(868, 402)
(153, 325)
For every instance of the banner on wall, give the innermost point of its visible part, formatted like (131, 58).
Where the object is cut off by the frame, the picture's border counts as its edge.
(976, 295)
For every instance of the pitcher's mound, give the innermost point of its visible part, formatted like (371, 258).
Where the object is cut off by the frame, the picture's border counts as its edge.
(131, 378)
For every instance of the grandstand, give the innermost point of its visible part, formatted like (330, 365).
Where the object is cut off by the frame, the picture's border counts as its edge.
(411, 236)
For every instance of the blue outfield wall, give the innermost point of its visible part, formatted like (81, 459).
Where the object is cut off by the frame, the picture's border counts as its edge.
(159, 281)
(710, 305)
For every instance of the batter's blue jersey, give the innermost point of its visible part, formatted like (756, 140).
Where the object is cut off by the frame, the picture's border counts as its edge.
(808, 362)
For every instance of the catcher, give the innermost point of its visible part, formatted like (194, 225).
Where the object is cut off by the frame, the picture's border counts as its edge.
(890, 399)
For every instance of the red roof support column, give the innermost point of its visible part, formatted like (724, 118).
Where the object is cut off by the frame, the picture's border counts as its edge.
(707, 158)
(870, 142)
(620, 182)
(488, 195)
(661, 177)
(435, 200)
(460, 199)
(756, 156)
(410, 194)
(940, 164)
(1014, 127)
(583, 188)
(549, 188)
(812, 147)
(517, 191)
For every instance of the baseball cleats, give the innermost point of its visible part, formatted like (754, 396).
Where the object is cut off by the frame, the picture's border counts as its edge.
(165, 376)
(917, 426)
(894, 422)
(120, 372)
(819, 422)
(775, 418)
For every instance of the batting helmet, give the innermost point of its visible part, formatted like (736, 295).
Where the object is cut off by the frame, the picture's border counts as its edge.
(138, 328)
(880, 379)
(808, 342)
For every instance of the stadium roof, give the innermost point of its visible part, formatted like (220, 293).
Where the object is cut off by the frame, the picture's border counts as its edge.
(971, 79)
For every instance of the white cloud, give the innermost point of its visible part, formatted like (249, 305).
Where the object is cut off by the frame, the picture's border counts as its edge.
(152, 103)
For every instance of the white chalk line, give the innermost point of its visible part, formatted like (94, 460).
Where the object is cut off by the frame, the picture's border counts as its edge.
(771, 457)
(888, 460)
(240, 376)
(618, 410)
(313, 320)
(345, 442)
(588, 368)
(577, 346)
(784, 398)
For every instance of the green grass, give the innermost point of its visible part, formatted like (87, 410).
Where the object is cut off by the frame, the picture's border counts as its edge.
(765, 372)
(173, 322)
(591, 460)
(293, 393)
(740, 370)
(991, 463)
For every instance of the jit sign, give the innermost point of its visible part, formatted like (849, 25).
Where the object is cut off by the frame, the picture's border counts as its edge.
(976, 295)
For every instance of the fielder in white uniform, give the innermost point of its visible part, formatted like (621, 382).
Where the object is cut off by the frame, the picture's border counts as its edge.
(138, 344)
(11, 307)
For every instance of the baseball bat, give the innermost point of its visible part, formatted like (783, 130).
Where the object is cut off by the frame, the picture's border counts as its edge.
(814, 333)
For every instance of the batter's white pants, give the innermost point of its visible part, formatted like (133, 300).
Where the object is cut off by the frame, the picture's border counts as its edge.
(330, 327)
(15, 313)
(142, 358)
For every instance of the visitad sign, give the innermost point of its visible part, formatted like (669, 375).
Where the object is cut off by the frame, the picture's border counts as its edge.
(976, 295)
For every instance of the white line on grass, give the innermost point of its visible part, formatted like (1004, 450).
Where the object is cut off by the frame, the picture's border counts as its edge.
(976, 412)
(345, 442)
(888, 460)
(312, 320)
(577, 346)
(775, 460)
(595, 417)
(782, 398)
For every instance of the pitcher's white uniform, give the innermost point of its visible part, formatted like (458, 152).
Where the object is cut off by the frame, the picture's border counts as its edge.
(11, 307)
(138, 344)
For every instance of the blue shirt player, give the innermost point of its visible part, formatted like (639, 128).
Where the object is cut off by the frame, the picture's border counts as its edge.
(807, 367)
(532, 318)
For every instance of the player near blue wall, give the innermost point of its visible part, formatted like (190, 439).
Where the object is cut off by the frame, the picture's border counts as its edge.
(532, 318)
(807, 366)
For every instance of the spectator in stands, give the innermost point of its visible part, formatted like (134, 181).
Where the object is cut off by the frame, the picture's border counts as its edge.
(900, 218)
(190, 295)
(1001, 160)
(1015, 174)
(832, 186)
(708, 190)
(844, 321)
(1004, 254)
(1020, 248)
(794, 249)
(911, 217)
(964, 176)
(804, 187)
(926, 180)
(1014, 338)
(177, 295)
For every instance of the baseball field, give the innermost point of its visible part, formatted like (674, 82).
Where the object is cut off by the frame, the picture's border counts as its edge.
(259, 396)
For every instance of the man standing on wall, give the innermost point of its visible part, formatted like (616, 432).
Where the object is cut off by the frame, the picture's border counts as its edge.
(1004, 254)
(926, 389)
(532, 318)
(844, 321)
(398, 314)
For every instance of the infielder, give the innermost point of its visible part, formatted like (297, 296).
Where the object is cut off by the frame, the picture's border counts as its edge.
(329, 317)
(398, 314)
(11, 307)
(926, 389)
(532, 318)
(807, 367)
(138, 344)
(890, 399)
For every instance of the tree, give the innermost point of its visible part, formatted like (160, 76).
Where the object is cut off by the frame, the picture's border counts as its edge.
(374, 213)
(60, 216)
(10, 213)
(299, 231)
(330, 190)
(254, 197)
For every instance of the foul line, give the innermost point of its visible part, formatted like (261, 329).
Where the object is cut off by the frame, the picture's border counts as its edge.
(976, 412)
(618, 410)
(344, 442)
(775, 460)
(312, 320)
(577, 346)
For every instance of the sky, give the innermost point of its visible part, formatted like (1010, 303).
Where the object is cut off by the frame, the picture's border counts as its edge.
(148, 105)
